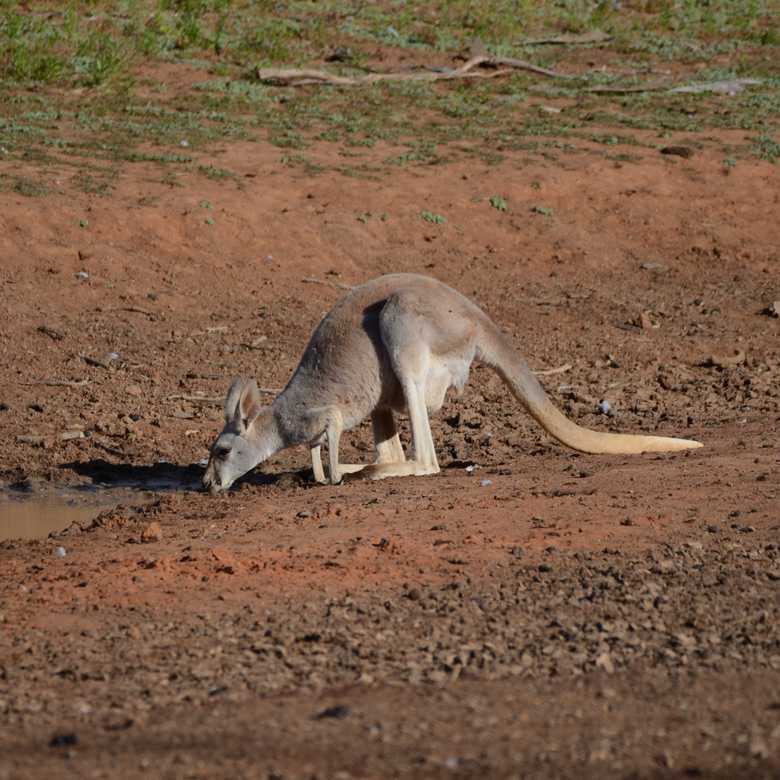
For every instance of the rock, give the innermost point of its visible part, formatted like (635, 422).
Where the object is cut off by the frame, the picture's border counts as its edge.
(604, 661)
(644, 321)
(678, 151)
(338, 711)
(725, 361)
(605, 407)
(773, 310)
(225, 560)
(152, 533)
(63, 740)
(758, 747)
(134, 390)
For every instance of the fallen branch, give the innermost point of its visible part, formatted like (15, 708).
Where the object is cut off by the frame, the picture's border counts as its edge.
(729, 87)
(595, 36)
(216, 400)
(36, 441)
(199, 399)
(295, 77)
(90, 361)
(50, 332)
(138, 310)
(58, 383)
(550, 371)
(611, 90)
(725, 361)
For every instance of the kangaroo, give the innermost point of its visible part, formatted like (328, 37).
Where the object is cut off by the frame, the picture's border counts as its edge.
(396, 343)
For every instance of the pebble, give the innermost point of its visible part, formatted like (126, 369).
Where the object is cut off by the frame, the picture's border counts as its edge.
(606, 408)
(82, 275)
(485, 482)
(604, 661)
(60, 552)
(152, 533)
(63, 740)
(338, 711)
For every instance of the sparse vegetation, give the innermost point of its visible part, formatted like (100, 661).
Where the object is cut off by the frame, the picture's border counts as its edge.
(436, 219)
(103, 50)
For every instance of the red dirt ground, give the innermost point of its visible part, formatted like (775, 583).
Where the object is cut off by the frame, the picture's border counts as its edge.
(576, 615)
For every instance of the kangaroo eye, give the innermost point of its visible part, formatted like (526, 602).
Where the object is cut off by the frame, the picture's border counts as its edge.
(221, 453)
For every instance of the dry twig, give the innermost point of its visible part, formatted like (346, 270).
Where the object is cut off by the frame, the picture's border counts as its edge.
(566, 39)
(216, 400)
(339, 285)
(550, 371)
(50, 332)
(58, 383)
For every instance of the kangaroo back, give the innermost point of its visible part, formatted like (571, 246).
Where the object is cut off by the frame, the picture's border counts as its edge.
(494, 350)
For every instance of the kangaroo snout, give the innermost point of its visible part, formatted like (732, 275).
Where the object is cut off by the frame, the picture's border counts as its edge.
(212, 481)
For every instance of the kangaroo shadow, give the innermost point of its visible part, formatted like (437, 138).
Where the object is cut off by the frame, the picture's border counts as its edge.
(164, 476)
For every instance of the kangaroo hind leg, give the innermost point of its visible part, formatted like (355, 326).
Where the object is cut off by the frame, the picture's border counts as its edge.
(386, 440)
(402, 330)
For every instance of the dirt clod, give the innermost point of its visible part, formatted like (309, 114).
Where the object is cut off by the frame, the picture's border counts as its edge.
(152, 533)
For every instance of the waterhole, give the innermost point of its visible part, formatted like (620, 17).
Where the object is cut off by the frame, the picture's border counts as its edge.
(35, 517)
(32, 509)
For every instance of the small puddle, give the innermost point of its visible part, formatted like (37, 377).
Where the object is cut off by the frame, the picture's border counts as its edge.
(35, 517)
(34, 509)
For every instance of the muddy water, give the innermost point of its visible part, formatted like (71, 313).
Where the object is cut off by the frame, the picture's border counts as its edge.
(35, 517)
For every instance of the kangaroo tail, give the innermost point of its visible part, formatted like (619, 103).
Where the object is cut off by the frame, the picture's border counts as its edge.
(494, 350)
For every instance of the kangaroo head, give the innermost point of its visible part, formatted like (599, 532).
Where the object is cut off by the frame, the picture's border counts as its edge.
(248, 438)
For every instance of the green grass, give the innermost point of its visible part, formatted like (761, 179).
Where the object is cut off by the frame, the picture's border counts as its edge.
(76, 83)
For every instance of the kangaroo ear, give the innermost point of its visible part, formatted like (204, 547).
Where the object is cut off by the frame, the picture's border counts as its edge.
(249, 405)
(233, 397)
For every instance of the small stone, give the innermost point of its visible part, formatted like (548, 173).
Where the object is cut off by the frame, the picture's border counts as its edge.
(152, 533)
(604, 661)
(60, 552)
(63, 740)
(134, 390)
(758, 747)
(486, 482)
(606, 408)
(773, 310)
(678, 151)
(338, 712)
